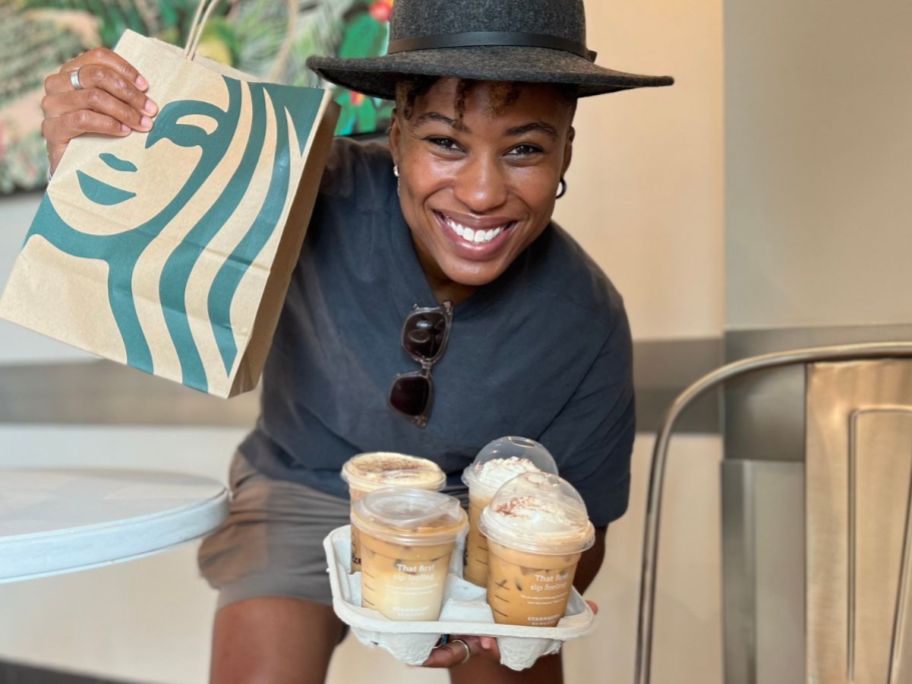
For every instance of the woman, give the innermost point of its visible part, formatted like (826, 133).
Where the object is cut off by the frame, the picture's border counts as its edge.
(452, 219)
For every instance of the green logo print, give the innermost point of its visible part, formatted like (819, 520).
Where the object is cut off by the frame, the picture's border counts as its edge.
(101, 192)
(121, 251)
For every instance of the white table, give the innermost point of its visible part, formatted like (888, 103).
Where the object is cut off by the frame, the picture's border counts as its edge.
(54, 520)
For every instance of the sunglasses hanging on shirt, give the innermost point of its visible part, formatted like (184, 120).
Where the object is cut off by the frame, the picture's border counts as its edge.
(424, 338)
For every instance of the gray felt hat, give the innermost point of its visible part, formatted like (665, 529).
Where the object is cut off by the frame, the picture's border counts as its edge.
(533, 41)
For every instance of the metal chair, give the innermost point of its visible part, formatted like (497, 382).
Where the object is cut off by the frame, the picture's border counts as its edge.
(846, 662)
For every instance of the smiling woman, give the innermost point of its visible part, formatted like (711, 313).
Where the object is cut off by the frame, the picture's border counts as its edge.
(445, 234)
(479, 164)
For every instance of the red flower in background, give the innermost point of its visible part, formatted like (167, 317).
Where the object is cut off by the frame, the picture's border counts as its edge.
(381, 10)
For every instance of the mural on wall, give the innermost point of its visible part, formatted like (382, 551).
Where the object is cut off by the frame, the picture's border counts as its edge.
(269, 38)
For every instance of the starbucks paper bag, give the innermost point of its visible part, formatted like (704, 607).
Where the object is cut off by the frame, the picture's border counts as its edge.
(171, 251)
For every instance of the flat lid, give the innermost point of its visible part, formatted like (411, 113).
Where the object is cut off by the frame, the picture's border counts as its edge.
(54, 520)
(413, 517)
(379, 469)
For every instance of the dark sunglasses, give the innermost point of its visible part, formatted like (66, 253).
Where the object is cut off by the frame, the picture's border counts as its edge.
(424, 337)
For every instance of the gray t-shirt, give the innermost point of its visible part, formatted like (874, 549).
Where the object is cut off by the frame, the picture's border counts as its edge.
(542, 352)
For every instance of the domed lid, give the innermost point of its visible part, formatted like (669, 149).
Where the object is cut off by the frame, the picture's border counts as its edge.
(540, 513)
(500, 461)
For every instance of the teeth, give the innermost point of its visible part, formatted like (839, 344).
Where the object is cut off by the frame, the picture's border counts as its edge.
(470, 235)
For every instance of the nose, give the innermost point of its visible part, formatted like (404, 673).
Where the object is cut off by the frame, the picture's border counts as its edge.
(481, 184)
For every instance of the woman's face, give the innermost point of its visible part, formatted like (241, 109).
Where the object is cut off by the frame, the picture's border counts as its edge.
(476, 190)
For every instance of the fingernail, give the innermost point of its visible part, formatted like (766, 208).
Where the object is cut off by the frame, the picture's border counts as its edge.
(145, 122)
(124, 129)
(141, 83)
(150, 107)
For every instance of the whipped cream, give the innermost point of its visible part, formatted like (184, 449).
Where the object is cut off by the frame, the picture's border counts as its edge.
(501, 460)
(486, 478)
(540, 513)
(529, 512)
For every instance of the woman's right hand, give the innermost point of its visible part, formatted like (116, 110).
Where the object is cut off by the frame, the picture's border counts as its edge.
(112, 101)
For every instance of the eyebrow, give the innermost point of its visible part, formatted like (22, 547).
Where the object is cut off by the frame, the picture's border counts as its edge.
(539, 126)
(436, 116)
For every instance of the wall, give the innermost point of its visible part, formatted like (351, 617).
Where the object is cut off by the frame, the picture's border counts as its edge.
(646, 183)
(819, 99)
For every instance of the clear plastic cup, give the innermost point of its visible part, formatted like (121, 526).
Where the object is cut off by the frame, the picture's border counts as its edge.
(407, 538)
(495, 465)
(374, 470)
(537, 529)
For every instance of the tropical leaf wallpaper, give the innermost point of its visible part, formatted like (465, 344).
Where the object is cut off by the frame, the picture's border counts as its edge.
(268, 38)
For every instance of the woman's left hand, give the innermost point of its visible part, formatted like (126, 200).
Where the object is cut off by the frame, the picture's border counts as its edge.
(460, 648)
(454, 653)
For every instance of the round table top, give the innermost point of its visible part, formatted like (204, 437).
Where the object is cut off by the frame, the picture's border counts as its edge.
(54, 520)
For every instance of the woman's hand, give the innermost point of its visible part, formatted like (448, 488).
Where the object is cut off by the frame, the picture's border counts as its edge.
(461, 647)
(110, 101)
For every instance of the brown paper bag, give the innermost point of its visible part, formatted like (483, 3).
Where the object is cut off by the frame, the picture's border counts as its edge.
(171, 251)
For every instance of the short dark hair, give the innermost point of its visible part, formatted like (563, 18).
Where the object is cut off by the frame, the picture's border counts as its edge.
(503, 94)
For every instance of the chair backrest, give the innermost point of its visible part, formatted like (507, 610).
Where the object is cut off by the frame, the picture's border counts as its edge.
(858, 488)
(857, 565)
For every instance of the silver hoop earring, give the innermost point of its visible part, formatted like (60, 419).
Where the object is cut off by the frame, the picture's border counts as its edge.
(561, 188)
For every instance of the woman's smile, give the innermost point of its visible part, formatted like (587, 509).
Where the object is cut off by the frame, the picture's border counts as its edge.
(476, 237)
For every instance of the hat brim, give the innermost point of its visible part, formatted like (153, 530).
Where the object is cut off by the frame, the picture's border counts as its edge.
(377, 76)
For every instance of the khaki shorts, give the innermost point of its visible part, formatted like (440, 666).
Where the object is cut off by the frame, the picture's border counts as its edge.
(271, 544)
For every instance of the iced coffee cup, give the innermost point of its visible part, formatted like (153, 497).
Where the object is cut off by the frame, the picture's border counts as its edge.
(407, 538)
(537, 528)
(496, 464)
(368, 472)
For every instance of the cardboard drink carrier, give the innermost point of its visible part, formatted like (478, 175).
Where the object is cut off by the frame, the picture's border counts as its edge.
(171, 251)
(464, 611)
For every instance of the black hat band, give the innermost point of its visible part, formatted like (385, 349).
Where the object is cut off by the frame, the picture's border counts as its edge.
(490, 39)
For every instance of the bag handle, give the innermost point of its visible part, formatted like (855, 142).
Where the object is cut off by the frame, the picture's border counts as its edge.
(196, 27)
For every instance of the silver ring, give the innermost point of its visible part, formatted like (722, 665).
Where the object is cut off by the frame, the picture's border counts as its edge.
(74, 79)
(467, 650)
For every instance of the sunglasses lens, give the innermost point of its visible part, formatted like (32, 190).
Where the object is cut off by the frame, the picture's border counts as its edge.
(425, 334)
(410, 394)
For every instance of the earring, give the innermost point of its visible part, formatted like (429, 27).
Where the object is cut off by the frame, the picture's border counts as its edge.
(396, 170)
(561, 188)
